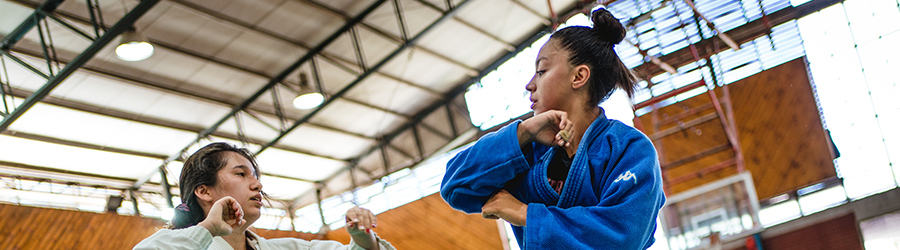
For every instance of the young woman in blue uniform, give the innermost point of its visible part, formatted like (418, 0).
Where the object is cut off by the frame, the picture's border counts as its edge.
(568, 177)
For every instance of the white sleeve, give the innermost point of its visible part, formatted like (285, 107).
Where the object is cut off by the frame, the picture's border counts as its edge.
(194, 237)
(300, 244)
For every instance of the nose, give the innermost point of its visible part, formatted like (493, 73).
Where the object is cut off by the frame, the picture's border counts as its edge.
(530, 86)
(256, 185)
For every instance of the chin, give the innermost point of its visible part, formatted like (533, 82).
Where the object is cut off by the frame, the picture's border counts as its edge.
(252, 212)
(251, 218)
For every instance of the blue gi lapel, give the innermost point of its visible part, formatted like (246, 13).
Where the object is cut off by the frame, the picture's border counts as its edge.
(545, 192)
(579, 172)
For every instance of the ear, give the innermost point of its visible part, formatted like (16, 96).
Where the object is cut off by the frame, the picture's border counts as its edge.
(204, 193)
(581, 75)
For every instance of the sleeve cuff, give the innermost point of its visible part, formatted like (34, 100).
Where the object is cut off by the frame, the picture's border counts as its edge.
(532, 230)
(201, 234)
(382, 244)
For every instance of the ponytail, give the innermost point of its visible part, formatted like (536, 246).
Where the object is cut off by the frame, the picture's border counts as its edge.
(187, 215)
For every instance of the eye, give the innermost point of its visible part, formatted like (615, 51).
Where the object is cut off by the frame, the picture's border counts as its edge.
(540, 72)
(241, 174)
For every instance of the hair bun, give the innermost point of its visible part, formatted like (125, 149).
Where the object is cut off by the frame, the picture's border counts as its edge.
(607, 27)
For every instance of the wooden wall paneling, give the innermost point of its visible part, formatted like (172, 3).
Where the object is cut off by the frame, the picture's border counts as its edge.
(23, 227)
(779, 130)
(841, 233)
(273, 234)
(690, 141)
(430, 223)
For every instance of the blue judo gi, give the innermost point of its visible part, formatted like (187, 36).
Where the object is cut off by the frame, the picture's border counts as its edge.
(610, 199)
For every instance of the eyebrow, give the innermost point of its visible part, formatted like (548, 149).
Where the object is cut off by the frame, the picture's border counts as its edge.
(538, 61)
(246, 167)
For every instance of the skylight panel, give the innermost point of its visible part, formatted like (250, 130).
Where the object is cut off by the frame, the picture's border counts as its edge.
(307, 167)
(69, 158)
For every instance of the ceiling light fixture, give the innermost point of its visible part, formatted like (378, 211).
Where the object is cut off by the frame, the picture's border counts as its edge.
(307, 97)
(133, 46)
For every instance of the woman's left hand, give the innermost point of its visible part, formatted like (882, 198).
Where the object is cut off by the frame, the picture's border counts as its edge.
(360, 221)
(504, 206)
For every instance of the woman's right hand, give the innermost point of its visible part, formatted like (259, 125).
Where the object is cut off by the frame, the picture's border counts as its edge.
(546, 128)
(225, 216)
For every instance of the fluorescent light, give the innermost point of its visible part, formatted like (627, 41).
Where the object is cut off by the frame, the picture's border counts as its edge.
(133, 47)
(309, 100)
(822, 199)
(779, 213)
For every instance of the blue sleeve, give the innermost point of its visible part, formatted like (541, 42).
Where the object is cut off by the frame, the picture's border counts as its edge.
(625, 216)
(478, 172)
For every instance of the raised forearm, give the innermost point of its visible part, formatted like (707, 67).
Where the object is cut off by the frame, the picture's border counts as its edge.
(367, 240)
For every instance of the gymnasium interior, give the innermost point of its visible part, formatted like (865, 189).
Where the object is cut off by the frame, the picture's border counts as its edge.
(775, 121)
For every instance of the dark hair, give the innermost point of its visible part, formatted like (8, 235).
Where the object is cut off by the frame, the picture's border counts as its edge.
(202, 168)
(594, 47)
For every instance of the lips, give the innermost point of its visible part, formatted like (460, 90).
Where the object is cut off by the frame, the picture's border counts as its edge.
(257, 198)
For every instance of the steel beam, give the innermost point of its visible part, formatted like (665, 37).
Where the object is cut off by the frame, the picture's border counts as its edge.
(404, 116)
(740, 35)
(47, 7)
(122, 25)
(71, 174)
(506, 45)
(385, 110)
(451, 120)
(449, 97)
(129, 117)
(288, 177)
(195, 96)
(331, 58)
(398, 11)
(70, 27)
(96, 26)
(46, 54)
(48, 180)
(167, 190)
(3, 86)
(357, 47)
(455, 92)
(48, 139)
(389, 36)
(272, 82)
(140, 119)
(337, 60)
(25, 65)
(362, 77)
(418, 140)
(386, 161)
(544, 19)
(134, 202)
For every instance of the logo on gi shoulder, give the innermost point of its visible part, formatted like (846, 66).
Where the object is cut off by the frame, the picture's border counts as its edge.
(628, 175)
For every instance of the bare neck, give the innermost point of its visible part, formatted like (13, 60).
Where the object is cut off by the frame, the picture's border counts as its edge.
(581, 119)
(238, 239)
